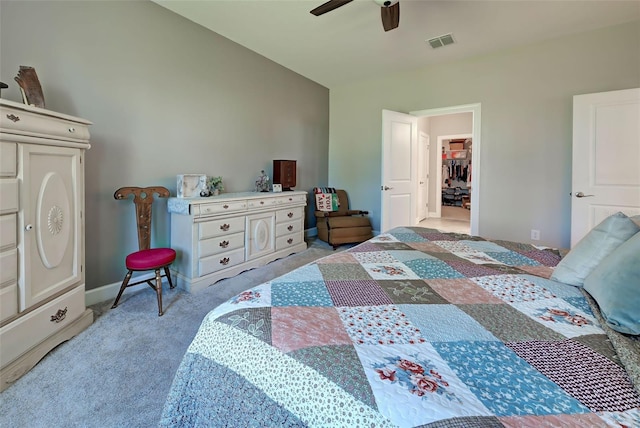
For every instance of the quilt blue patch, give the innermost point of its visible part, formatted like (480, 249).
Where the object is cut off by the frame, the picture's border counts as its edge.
(431, 269)
(511, 258)
(310, 293)
(505, 383)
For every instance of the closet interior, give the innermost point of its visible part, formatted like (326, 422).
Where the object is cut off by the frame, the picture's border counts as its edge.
(456, 173)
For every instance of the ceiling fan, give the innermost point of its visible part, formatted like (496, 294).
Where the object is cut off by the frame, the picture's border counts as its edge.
(389, 9)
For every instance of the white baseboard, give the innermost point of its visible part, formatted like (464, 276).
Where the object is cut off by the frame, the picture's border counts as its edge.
(433, 214)
(110, 291)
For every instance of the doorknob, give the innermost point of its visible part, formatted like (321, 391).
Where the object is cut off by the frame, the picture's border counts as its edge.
(582, 195)
(385, 188)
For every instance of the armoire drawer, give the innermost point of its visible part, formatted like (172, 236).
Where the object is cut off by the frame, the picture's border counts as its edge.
(40, 324)
(8, 301)
(35, 124)
(8, 267)
(8, 159)
(9, 192)
(220, 244)
(210, 229)
(218, 262)
(8, 234)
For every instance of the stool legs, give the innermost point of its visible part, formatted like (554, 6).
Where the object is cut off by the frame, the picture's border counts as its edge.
(127, 277)
(159, 291)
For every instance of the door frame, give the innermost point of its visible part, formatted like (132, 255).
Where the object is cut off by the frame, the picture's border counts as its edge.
(423, 170)
(440, 139)
(475, 109)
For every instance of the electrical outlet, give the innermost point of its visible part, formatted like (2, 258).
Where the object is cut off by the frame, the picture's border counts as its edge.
(535, 235)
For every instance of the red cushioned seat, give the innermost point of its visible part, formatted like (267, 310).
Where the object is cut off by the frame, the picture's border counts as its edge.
(146, 258)
(150, 259)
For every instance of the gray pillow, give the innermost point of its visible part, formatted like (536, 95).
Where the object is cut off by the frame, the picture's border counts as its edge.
(595, 246)
(615, 285)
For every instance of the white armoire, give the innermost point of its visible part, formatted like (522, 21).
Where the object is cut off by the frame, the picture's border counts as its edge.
(42, 287)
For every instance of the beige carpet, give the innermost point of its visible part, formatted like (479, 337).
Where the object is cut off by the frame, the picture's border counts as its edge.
(117, 372)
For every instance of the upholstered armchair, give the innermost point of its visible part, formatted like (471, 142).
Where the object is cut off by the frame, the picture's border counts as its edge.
(343, 225)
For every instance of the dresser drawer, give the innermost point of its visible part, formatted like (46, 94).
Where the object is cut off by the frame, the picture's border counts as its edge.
(220, 244)
(288, 227)
(8, 301)
(219, 208)
(214, 228)
(43, 125)
(262, 203)
(292, 199)
(286, 241)
(8, 267)
(8, 195)
(8, 233)
(218, 262)
(8, 160)
(40, 324)
(288, 214)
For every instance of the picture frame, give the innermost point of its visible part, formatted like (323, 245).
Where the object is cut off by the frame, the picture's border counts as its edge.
(277, 188)
(190, 185)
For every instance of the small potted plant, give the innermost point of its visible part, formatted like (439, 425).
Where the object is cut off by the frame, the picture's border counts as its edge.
(215, 185)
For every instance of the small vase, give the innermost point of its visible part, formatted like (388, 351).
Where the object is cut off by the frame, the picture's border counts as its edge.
(216, 192)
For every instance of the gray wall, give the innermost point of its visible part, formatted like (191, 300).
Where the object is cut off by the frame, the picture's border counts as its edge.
(526, 100)
(166, 97)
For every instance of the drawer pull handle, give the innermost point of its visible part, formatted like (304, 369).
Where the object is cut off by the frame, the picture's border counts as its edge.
(72, 130)
(261, 202)
(290, 227)
(290, 215)
(13, 118)
(224, 244)
(225, 261)
(225, 206)
(59, 316)
(289, 241)
(225, 227)
(290, 199)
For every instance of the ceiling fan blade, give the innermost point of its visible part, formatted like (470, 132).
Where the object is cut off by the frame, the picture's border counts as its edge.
(390, 16)
(329, 6)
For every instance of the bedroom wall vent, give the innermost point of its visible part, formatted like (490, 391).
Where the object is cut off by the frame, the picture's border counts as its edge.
(440, 41)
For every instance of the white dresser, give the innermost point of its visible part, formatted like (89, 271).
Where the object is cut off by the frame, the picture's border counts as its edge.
(221, 236)
(42, 286)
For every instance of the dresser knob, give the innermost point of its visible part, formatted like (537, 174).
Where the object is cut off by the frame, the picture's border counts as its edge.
(224, 244)
(28, 227)
(224, 261)
(225, 206)
(290, 215)
(290, 227)
(72, 130)
(289, 241)
(225, 227)
(13, 118)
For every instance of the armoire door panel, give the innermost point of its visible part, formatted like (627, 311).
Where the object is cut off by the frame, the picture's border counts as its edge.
(50, 222)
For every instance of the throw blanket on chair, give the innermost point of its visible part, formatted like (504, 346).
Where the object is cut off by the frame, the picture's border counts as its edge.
(326, 199)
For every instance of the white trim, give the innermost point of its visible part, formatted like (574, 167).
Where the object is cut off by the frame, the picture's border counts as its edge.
(110, 291)
(475, 109)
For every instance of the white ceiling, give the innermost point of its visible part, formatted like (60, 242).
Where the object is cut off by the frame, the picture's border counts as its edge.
(349, 43)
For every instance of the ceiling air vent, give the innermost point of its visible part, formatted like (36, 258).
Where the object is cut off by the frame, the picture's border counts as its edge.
(444, 40)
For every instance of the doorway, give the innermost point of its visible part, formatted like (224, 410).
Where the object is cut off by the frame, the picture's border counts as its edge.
(462, 214)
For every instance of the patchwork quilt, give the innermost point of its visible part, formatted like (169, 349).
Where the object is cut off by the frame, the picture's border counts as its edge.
(412, 328)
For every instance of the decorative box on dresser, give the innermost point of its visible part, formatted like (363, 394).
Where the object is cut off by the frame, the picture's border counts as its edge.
(221, 236)
(42, 286)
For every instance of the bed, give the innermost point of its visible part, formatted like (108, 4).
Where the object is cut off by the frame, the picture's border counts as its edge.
(414, 327)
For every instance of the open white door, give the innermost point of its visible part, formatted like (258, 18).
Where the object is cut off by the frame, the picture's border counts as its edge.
(606, 158)
(423, 176)
(399, 172)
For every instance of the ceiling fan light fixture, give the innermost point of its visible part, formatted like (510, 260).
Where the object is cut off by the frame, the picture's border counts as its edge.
(440, 41)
